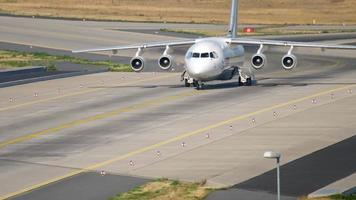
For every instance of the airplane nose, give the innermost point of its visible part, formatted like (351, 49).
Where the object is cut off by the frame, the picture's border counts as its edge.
(198, 72)
(198, 69)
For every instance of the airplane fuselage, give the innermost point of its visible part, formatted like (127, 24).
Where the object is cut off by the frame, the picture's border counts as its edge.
(210, 57)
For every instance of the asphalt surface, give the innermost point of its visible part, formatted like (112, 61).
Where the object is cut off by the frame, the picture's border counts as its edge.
(104, 121)
(302, 176)
(319, 169)
(85, 186)
(233, 194)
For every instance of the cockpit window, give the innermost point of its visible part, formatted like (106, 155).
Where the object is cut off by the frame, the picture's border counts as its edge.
(196, 55)
(205, 55)
(213, 54)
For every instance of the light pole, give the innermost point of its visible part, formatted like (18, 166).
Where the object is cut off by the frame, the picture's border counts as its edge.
(277, 156)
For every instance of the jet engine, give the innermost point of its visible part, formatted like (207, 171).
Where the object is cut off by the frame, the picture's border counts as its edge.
(258, 60)
(137, 63)
(289, 61)
(165, 62)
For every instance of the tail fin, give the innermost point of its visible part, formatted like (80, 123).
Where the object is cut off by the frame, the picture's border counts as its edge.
(233, 19)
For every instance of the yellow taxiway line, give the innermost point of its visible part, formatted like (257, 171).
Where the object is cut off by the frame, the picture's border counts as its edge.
(79, 93)
(145, 104)
(174, 139)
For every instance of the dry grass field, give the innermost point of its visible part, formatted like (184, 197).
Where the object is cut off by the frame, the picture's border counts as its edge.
(192, 11)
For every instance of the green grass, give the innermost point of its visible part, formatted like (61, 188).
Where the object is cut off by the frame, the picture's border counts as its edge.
(165, 189)
(11, 59)
(51, 67)
(343, 197)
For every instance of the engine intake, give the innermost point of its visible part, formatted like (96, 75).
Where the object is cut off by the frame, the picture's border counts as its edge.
(165, 62)
(258, 60)
(137, 63)
(289, 61)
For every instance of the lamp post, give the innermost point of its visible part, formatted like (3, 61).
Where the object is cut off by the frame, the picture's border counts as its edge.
(277, 156)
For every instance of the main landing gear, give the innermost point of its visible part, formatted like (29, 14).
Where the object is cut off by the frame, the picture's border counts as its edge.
(198, 85)
(244, 79)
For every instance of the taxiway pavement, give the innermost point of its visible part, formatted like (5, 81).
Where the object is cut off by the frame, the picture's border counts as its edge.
(148, 125)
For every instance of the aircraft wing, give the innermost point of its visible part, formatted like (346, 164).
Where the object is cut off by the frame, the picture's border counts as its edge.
(140, 46)
(288, 44)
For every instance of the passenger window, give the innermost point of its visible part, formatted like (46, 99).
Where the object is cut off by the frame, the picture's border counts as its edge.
(212, 55)
(205, 55)
(196, 55)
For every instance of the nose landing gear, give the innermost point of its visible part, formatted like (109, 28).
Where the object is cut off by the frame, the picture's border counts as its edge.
(188, 81)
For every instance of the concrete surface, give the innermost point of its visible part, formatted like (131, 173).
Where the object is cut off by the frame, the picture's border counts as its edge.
(345, 186)
(148, 125)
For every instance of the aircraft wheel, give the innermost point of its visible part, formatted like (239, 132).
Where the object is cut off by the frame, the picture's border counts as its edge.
(195, 83)
(186, 84)
(200, 86)
(240, 82)
(248, 81)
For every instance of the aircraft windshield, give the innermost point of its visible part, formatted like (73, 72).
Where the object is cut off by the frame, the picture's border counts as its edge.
(204, 55)
(196, 55)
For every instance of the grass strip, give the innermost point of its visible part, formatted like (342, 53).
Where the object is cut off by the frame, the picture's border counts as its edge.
(333, 197)
(13, 59)
(166, 189)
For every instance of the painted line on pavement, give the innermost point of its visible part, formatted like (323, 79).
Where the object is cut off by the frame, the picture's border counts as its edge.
(174, 139)
(138, 106)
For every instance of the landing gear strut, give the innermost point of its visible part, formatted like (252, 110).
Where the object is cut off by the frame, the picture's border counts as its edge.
(199, 85)
(188, 81)
(247, 79)
(244, 78)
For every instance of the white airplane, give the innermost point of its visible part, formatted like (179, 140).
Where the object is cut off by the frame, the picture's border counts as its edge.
(216, 58)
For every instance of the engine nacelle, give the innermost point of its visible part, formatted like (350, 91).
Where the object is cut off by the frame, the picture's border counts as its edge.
(258, 60)
(165, 62)
(289, 61)
(137, 63)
